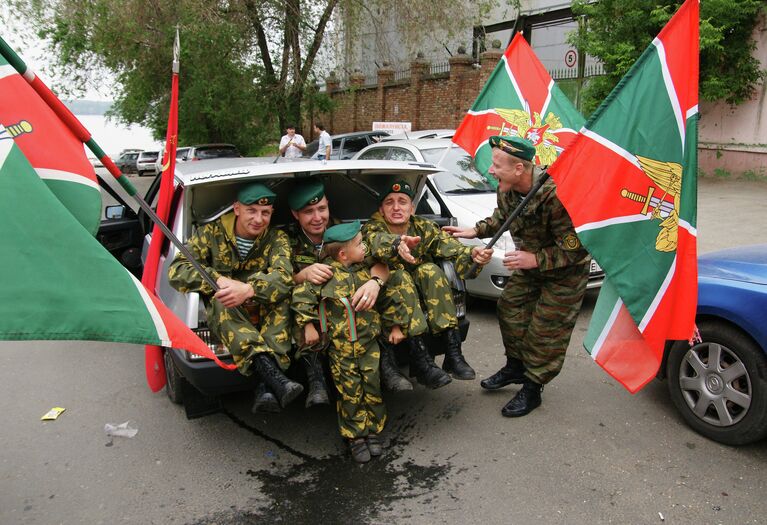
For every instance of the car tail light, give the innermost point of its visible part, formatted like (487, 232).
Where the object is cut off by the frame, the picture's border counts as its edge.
(216, 346)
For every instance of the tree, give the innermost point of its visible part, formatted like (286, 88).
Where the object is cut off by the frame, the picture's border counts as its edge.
(617, 32)
(248, 67)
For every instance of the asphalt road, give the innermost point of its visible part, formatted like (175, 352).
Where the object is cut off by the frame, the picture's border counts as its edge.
(591, 454)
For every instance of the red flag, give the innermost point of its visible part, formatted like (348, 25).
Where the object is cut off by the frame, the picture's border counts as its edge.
(628, 182)
(155, 367)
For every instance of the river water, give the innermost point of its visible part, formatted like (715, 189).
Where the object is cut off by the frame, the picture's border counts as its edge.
(114, 137)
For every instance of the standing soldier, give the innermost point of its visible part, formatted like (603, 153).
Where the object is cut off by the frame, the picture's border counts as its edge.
(390, 230)
(540, 303)
(251, 265)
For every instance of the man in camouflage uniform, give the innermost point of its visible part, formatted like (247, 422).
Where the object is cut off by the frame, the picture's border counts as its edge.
(250, 262)
(310, 208)
(394, 223)
(541, 301)
(353, 352)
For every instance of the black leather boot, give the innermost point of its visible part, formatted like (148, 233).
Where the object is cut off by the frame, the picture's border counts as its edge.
(512, 372)
(318, 392)
(526, 400)
(264, 401)
(391, 378)
(455, 364)
(268, 371)
(423, 367)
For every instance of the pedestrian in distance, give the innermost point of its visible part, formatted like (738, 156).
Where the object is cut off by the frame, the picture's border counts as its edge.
(250, 312)
(292, 145)
(540, 303)
(325, 147)
(353, 352)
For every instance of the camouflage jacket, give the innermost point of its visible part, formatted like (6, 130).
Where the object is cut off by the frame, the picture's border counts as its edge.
(267, 266)
(303, 252)
(544, 227)
(436, 245)
(343, 324)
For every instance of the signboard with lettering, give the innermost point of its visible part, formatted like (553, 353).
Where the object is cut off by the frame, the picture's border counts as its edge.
(392, 127)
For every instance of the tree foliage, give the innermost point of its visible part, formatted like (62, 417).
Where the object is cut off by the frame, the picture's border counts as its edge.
(618, 31)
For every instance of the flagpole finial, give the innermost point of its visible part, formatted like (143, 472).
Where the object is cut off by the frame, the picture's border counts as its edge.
(176, 53)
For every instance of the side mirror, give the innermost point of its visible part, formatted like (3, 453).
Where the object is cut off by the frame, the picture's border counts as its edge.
(115, 212)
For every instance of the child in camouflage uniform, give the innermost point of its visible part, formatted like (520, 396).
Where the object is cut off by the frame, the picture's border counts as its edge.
(353, 352)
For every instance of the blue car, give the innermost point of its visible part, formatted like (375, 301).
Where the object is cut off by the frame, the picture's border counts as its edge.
(720, 385)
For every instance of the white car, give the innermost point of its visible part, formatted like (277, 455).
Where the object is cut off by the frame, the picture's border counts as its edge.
(461, 192)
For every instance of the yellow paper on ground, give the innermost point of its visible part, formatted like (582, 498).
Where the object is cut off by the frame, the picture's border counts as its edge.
(52, 414)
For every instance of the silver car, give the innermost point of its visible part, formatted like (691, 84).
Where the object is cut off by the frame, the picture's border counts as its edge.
(461, 192)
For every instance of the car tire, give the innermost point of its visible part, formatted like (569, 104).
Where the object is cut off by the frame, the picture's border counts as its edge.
(174, 381)
(727, 402)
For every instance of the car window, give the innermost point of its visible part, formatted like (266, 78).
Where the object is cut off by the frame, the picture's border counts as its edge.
(148, 156)
(336, 145)
(182, 153)
(401, 154)
(311, 148)
(352, 145)
(462, 176)
(215, 152)
(375, 154)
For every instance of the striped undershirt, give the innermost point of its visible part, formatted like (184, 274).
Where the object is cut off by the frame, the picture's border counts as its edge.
(244, 246)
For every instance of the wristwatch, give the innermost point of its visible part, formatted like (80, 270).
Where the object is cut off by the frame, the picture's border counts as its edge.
(378, 280)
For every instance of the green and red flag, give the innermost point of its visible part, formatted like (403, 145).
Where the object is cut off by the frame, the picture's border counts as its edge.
(628, 182)
(519, 99)
(155, 366)
(59, 283)
(50, 146)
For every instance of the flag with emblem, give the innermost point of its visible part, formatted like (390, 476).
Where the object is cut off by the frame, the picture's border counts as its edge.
(48, 143)
(59, 283)
(519, 99)
(628, 182)
(155, 366)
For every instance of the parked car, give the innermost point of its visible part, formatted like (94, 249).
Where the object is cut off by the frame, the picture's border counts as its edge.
(719, 385)
(459, 191)
(346, 145)
(211, 151)
(204, 192)
(421, 134)
(182, 154)
(126, 160)
(145, 162)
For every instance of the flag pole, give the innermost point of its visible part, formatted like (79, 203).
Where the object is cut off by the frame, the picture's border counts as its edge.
(542, 178)
(76, 127)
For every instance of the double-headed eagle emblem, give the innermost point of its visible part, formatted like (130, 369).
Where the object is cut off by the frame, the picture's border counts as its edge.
(535, 129)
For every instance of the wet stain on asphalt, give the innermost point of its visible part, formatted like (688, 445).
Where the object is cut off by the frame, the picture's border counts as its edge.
(334, 489)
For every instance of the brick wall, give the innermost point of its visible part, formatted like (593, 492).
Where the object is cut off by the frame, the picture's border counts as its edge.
(426, 101)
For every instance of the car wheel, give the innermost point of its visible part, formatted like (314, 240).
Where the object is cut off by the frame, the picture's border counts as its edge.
(720, 384)
(174, 382)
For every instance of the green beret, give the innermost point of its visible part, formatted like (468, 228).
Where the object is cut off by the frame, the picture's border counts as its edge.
(398, 187)
(516, 146)
(256, 193)
(305, 194)
(342, 232)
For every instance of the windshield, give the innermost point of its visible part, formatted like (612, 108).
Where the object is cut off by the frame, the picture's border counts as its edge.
(461, 177)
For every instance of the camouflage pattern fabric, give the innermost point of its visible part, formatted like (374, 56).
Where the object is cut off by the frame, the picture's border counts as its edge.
(436, 296)
(353, 353)
(538, 308)
(266, 267)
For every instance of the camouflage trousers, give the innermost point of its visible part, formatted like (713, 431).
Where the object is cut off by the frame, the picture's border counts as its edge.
(433, 305)
(244, 339)
(355, 370)
(537, 315)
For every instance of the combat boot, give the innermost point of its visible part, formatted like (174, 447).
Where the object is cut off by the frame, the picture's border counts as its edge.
(264, 401)
(512, 372)
(455, 364)
(391, 378)
(268, 371)
(526, 400)
(423, 367)
(318, 392)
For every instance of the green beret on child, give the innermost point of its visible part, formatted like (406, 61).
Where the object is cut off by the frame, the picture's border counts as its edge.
(398, 187)
(256, 193)
(342, 232)
(515, 146)
(305, 194)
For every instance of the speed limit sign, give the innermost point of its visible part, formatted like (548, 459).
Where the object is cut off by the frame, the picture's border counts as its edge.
(571, 58)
